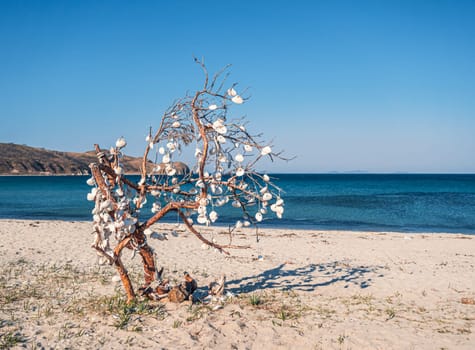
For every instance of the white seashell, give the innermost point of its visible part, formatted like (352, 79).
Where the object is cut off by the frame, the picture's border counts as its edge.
(190, 221)
(218, 190)
(238, 224)
(201, 219)
(155, 193)
(166, 159)
(242, 127)
(197, 152)
(237, 99)
(171, 146)
(120, 143)
(236, 204)
(248, 148)
(156, 207)
(247, 223)
(222, 159)
(171, 171)
(221, 139)
(161, 150)
(221, 130)
(118, 170)
(240, 172)
(119, 192)
(263, 211)
(148, 138)
(92, 195)
(212, 107)
(279, 210)
(266, 178)
(106, 217)
(176, 124)
(213, 216)
(239, 157)
(267, 196)
(279, 201)
(266, 150)
(258, 216)
(204, 246)
(115, 278)
(231, 92)
(279, 215)
(106, 205)
(150, 145)
(219, 126)
(91, 181)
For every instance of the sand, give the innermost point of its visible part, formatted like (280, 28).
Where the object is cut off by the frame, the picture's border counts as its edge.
(294, 289)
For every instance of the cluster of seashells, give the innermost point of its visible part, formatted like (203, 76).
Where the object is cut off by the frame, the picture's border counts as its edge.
(113, 217)
(225, 154)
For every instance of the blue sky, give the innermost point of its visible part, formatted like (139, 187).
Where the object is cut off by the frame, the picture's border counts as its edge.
(379, 86)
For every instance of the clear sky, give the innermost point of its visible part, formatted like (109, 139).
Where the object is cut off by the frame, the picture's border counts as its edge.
(379, 86)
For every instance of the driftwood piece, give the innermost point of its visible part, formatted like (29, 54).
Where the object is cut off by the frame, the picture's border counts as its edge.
(223, 172)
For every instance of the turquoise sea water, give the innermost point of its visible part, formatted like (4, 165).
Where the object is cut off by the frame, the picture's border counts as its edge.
(403, 203)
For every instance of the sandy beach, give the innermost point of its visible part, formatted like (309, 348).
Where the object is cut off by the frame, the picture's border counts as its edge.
(294, 289)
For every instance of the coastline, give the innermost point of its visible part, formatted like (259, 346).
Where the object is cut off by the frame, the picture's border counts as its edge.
(316, 289)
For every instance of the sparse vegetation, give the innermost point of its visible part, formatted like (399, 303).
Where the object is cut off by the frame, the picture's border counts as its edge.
(10, 339)
(255, 299)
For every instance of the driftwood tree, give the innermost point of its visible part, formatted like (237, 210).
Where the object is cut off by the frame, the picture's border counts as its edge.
(223, 173)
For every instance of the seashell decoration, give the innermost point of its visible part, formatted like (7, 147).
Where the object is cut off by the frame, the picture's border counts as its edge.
(213, 216)
(221, 139)
(266, 150)
(239, 158)
(237, 99)
(231, 92)
(219, 126)
(121, 142)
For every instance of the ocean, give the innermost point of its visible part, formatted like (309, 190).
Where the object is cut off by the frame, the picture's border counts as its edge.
(375, 202)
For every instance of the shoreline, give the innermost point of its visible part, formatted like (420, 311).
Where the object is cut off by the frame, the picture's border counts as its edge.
(300, 228)
(294, 289)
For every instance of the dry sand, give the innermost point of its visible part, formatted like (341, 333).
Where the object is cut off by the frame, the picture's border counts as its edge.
(308, 290)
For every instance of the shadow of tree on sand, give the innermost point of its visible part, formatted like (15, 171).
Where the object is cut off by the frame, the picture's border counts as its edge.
(306, 278)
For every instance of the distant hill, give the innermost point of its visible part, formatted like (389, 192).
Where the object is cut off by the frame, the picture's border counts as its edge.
(24, 160)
